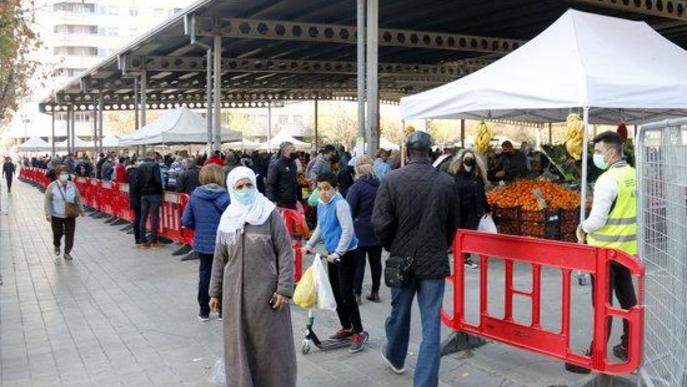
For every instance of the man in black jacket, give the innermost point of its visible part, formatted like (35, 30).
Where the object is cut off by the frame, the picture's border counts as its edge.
(513, 163)
(150, 186)
(415, 215)
(190, 177)
(281, 186)
(133, 176)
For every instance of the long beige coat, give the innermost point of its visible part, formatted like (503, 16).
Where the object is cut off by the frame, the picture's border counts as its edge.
(258, 341)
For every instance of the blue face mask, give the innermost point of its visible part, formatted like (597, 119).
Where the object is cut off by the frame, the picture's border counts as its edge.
(600, 162)
(246, 196)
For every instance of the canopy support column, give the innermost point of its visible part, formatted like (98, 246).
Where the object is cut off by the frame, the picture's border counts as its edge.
(585, 154)
(361, 74)
(208, 98)
(317, 128)
(95, 132)
(217, 69)
(462, 134)
(550, 134)
(269, 127)
(144, 99)
(137, 99)
(52, 133)
(73, 133)
(100, 122)
(372, 77)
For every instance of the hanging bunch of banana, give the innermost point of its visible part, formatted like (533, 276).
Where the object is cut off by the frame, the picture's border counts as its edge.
(482, 137)
(574, 135)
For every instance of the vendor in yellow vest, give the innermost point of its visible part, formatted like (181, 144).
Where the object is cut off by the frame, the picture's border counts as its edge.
(612, 223)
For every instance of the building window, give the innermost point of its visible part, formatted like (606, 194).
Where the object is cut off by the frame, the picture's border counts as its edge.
(71, 29)
(70, 72)
(76, 51)
(298, 120)
(113, 10)
(74, 7)
(283, 119)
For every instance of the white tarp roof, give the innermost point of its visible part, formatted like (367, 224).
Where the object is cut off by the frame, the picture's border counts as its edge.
(79, 144)
(283, 136)
(110, 142)
(582, 60)
(178, 126)
(34, 144)
(242, 144)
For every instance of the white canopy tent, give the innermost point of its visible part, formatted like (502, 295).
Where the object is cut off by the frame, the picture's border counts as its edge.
(178, 126)
(281, 137)
(111, 142)
(610, 68)
(34, 144)
(79, 144)
(242, 144)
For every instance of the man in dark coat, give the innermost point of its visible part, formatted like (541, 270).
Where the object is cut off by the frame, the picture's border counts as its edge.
(190, 177)
(99, 165)
(513, 163)
(415, 216)
(150, 185)
(8, 170)
(281, 186)
(133, 176)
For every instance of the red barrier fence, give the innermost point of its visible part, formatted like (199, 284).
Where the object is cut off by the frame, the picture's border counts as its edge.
(567, 257)
(113, 199)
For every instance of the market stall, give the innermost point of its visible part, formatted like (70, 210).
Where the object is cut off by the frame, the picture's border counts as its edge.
(111, 142)
(34, 144)
(78, 144)
(283, 136)
(178, 126)
(610, 69)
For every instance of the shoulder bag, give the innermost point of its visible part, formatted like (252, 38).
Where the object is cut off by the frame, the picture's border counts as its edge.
(71, 210)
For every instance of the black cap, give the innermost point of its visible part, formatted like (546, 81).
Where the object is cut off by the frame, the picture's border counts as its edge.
(419, 141)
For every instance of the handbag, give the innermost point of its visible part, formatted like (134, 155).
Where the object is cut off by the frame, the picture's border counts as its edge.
(71, 210)
(398, 269)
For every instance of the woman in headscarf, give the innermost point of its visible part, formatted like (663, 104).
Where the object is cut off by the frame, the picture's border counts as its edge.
(252, 278)
(471, 178)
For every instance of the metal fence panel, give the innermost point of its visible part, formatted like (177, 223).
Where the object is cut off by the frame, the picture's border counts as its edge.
(661, 159)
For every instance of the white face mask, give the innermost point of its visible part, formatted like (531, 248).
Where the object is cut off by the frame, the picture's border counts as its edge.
(64, 178)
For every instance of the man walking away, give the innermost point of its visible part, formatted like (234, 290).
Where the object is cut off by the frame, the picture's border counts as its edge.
(281, 186)
(612, 223)
(151, 197)
(133, 176)
(8, 170)
(415, 216)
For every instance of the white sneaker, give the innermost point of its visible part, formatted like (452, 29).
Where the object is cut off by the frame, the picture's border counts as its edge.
(471, 265)
(57, 251)
(394, 369)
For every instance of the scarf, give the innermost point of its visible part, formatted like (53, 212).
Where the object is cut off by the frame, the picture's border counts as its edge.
(235, 217)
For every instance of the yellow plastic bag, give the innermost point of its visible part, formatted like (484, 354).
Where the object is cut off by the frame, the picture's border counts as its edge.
(305, 294)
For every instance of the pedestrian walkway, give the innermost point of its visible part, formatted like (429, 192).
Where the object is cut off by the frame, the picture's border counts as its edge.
(119, 316)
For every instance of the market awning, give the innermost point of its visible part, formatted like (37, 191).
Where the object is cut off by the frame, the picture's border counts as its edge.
(78, 144)
(281, 137)
(34, 144)
(622, 70)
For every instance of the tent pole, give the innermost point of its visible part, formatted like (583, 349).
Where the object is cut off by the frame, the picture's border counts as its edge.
(550, 135)
(100, 122)
(143, 97)
(217, 69)
(95, 132)
(361, 74)
(372, 74)
(208, 98)
(585, 154)
(462, 134)
(317, 124)
(269, 127)
(137, 99)
(52, 133)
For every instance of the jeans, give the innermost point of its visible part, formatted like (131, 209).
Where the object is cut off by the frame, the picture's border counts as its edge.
(430, 293)
(138, 236)
(60, 227)
(374, 254)
(341, 277)
(150, 204)
(204, 271)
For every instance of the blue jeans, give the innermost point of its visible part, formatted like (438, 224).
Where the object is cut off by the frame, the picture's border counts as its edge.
(430, 294)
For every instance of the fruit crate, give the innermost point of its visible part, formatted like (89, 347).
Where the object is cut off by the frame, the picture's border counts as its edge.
(556, 224)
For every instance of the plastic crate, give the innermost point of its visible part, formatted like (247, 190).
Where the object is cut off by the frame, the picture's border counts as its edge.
(556, 224)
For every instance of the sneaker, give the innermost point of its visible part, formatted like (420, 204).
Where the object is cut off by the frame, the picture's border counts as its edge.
(67, 257)
(577, 369)
(342, 334)
(155, 245)
(57, 251)
(358, 342)
(620, 351)
(204, 316)
(144, 245)
(219, 316)
(394, 369)
(470, 265)
(374, 297)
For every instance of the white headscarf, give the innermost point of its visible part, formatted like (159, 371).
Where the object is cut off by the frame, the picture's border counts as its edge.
(237, 215)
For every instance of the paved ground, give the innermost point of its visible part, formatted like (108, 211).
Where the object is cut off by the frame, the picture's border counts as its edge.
(120, 316)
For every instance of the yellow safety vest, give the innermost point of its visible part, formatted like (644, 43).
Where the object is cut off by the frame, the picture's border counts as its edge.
(620, 231)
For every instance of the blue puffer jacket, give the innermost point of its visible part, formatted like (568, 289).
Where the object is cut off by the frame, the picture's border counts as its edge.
(202, 214)
(361, 198)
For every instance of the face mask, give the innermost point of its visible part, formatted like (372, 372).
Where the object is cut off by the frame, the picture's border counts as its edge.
(246, 196)
(64, 178)
(599, 161)
(469, 162)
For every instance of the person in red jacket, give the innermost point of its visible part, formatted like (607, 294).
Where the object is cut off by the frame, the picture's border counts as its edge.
(120, 171)
(216, 158)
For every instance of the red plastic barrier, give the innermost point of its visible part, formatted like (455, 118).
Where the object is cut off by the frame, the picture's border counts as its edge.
(170, 218)
(567, 257)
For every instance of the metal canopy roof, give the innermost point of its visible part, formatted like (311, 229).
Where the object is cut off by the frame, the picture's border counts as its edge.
(306, 49)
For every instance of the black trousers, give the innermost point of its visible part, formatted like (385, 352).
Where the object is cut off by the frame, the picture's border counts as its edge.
(150, 205)
(374, 254)
(341, 276)
(204, 271)
(138, 236)
(9, 182)
(621, 283)
(63, 227)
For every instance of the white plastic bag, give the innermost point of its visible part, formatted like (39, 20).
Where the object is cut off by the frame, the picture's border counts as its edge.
(217, 375)
(486, 224)
(325, 295)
